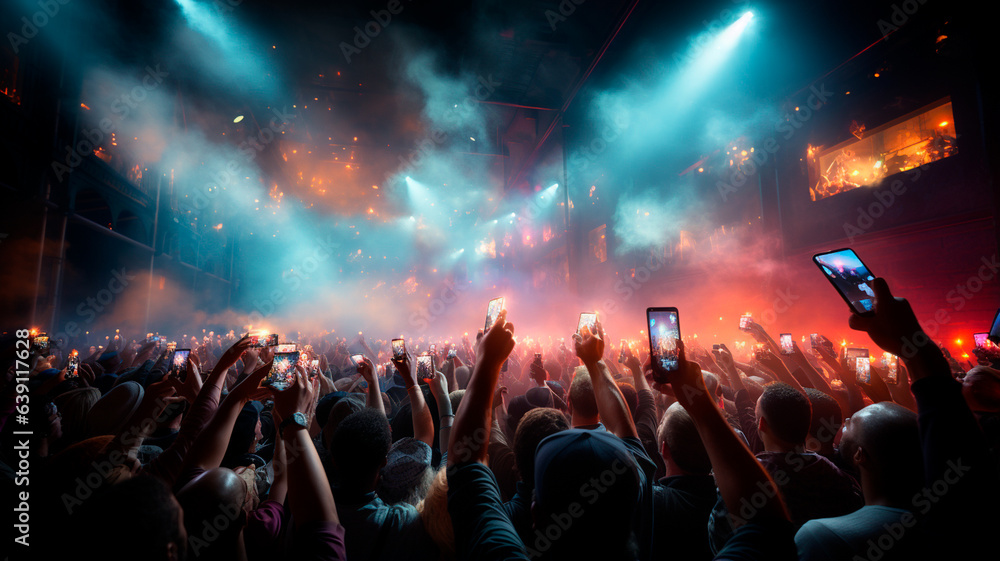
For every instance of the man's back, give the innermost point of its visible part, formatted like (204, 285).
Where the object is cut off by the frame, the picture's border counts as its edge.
(375, 530)
(812, 486)
(871, 532)
(681, 506)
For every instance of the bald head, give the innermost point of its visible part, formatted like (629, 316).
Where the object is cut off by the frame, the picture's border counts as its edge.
(888, 439)
(218, 491)
(981, 389)
(677, 438)
(711, 383)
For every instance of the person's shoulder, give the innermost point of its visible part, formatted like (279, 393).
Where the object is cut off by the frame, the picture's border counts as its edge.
(403, 513)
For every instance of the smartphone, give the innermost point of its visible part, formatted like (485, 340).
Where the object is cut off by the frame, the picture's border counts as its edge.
(425, 369)
(538, 357)
(745, 322)
(263, 339)
(433, 348)
(357, 360)
(664, 332)
(851, 277)
(760, 352)
(891, 364)
(40, 343)
(621, 351)
(995, 330)
(178, 362)
(285, 348)
(815, 341)
(73, 368)
(493, 312)
(589, 319)
(786, 344)
(282, 374)
(314, 367)
(851, 355)
(863, 370)
(398, 348)
(451, 352)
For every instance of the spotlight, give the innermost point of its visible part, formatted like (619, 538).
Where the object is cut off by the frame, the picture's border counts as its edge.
(238, 118)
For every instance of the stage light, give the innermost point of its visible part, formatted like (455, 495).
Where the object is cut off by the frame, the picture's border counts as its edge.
(238, 119)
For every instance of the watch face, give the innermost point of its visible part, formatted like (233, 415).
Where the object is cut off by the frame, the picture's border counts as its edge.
(300, 419)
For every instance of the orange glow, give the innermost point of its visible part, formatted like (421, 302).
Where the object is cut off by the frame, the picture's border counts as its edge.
(84, 105)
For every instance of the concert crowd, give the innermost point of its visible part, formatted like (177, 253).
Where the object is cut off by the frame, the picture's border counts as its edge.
(503, 445)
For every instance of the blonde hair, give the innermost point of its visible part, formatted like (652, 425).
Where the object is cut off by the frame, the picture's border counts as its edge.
(434, 514)
(74, 406)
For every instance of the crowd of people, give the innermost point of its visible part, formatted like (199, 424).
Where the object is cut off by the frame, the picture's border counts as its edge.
(527, 448)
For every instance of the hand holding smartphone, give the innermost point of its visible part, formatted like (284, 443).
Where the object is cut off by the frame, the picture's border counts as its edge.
(891, 364)
(851, 277)
(425, 369)
(863, 370)
(282, 374)
(493, 312)
(851, 358)
(588, 319)
(398, 348)
(178, 363)
(787, 347)
(664, 331)
(73, 368)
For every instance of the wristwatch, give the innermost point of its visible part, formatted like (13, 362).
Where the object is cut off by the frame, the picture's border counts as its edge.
(298, 419)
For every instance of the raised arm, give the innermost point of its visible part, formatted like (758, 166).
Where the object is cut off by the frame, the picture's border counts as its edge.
(610, 402)
(738, 474)
(423, 423)
(210, 447)
(470, 433)
(309, 496)
(367, 371)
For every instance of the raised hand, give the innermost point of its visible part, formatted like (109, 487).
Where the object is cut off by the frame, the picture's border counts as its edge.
(687, 383)
(497, 344)
(301, 397)
(893, 325)
(590, 346)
